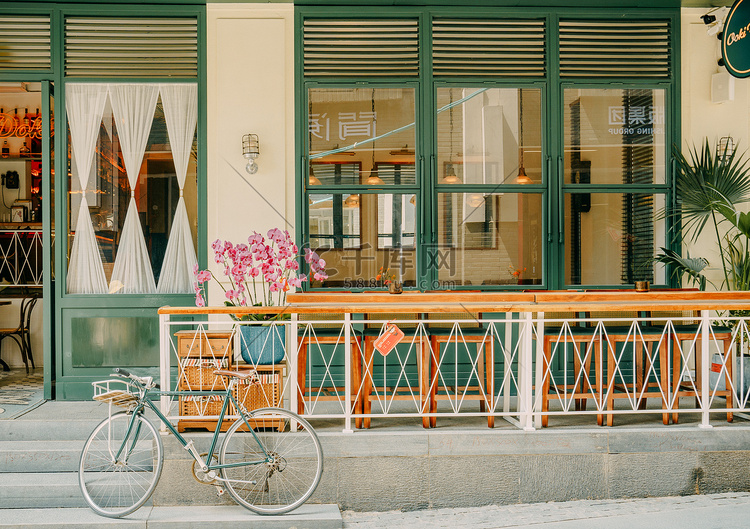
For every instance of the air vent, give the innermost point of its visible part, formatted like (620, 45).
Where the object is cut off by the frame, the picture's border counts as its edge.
(502, 48)
(131, 47)
(25, 43)
(358, 48)
(627, 49)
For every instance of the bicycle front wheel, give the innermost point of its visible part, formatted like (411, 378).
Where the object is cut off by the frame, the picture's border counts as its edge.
(119, 469)
(276, 470)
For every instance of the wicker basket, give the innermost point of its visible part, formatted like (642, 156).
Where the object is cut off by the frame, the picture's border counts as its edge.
(259, 395)
(198, 373)
(201, 405)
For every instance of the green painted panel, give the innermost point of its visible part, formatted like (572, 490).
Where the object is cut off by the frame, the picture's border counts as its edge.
(114, 341)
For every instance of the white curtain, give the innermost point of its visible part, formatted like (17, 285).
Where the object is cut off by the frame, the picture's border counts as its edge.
(133, 108)
(180, 103)
(84, 104)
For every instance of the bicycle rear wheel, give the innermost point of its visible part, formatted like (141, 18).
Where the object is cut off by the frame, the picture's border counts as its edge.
(288, 477)
(116, 486)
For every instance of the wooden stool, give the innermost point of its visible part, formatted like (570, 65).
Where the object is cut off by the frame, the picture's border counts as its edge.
(581, 388)
(315, 333)
(371, 333)
(471, 332)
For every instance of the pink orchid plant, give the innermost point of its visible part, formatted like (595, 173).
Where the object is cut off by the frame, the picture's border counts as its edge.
(260, 273)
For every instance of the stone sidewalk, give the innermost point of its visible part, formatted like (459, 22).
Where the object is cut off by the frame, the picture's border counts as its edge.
(719, 511)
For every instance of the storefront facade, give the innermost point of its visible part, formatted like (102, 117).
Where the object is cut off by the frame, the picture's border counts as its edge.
(483, 148)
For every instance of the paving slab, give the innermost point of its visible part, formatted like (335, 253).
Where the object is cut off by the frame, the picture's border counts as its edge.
(216, 517)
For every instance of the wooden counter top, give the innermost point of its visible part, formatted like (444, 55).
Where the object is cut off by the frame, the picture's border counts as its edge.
(488, 302)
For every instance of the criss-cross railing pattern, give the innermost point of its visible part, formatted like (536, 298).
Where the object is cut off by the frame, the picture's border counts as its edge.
(21, 257)
(524, 368)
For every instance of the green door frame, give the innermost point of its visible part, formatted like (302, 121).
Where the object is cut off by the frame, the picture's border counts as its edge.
(74, 382)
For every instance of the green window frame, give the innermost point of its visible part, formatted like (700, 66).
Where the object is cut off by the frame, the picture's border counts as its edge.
(653, 35)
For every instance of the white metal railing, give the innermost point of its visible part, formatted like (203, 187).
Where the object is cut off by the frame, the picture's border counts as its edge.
(21, 259)
(522, 368)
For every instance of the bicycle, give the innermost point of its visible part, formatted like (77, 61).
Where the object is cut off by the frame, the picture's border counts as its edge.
(270, 469)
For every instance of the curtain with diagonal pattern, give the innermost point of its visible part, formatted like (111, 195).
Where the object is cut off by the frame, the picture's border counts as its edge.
(133, 108)
(84, 105)
(180, 102)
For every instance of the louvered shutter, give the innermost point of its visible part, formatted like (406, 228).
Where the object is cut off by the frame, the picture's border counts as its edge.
(636, 49)
(25, 42)
(132, 47)
(357, 48)
(502, 48)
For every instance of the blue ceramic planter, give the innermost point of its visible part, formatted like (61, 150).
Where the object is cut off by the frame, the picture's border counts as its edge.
(261, 344)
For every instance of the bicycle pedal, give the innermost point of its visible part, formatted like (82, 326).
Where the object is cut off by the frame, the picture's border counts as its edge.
(219, 491)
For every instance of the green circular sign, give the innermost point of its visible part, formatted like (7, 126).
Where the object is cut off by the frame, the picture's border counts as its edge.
(735, 42)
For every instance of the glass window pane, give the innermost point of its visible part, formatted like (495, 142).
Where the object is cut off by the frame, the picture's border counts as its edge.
(156, 193)
(612, 237)
(614, 136)
(489, 136)
(360, 234)
(488, 239)
(363, 132)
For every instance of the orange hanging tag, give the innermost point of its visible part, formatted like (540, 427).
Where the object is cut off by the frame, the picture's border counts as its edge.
(389, 339)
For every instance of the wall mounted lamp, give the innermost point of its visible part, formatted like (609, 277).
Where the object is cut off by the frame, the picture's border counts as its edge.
(250, 150)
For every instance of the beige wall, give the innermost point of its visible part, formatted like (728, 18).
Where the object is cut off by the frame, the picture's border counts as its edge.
(250, 89)
(703, 119)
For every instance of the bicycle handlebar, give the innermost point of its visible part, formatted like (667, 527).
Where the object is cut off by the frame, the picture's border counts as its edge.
(145, 381)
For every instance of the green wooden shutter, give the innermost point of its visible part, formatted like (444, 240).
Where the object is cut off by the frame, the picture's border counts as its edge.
(131, 47)
(636, 49)
(501, 48)
(25, 43)
(358, 48)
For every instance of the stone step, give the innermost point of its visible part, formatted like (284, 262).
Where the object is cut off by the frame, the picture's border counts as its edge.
(38, 490)
(309, 516)
(47, 430)
(40, 456)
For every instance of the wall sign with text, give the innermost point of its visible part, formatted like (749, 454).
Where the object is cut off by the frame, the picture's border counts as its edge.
(735, 42)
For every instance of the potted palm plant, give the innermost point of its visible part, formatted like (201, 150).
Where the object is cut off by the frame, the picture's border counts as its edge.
(709, 187)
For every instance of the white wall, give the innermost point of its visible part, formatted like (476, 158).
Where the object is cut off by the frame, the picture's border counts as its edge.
(703, 119)
(250, 90)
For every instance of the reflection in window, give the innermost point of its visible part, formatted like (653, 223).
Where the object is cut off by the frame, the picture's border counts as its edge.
(489, 135)
(357, 234)
(489, 239)
(614, 136)
(362, 139)
(615, 238)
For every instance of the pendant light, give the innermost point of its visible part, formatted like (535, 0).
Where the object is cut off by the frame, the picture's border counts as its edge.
(450, 171)
(352, 201)
(373, 179)
(312, 179)
(522, 178)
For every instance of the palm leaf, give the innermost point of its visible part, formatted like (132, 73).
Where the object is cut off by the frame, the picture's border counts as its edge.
(692, 266)
(706, 183)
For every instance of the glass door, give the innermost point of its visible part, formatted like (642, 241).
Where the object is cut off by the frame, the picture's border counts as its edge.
(613, 171)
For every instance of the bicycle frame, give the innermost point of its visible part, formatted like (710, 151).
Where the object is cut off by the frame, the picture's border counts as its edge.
(144, 402)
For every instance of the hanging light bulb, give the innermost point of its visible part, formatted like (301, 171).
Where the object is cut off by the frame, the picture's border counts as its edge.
(312, 179)
(413, 200)
(352, 201)
(522, 178)
(475, 199)
(374, 179)
(450, 175)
